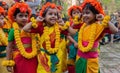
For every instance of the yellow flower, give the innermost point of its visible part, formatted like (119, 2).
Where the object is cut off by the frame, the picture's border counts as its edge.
(47, 40)
(8, 63)
(91, 41)
(20, 45)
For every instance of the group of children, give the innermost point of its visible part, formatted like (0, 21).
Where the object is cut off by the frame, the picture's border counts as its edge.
(48, 44)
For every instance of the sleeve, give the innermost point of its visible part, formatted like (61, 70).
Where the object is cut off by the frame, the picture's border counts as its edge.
(39, 29)
(65, 32)
(11, 35)
(107, 30)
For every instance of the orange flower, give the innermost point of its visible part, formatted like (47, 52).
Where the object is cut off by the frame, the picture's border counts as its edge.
(23, 8)
(44, 7)
(2, 11)
(94, 3)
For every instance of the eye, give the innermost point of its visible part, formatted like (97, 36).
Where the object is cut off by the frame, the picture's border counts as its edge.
(20, 15)
(26, 15)
(50, 13)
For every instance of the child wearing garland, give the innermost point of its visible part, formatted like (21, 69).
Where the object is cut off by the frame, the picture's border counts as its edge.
(89, 36)
(3, 40)
(21, 49)
(74, 13)
(52, 40)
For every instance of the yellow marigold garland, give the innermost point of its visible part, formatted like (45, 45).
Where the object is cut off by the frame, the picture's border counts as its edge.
(47, 39)
(8, 63)
(34, 22)
(76, 21)
(105, 21)
(20, 45)
(66, 26)
(3, 38)
(91, 40)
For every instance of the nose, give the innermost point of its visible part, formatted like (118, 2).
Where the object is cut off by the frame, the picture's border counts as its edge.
(24, 18)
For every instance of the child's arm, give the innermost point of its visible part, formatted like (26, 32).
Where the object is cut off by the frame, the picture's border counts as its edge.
(73, 41)
(29, 26)
(112, 27)
(9, 54)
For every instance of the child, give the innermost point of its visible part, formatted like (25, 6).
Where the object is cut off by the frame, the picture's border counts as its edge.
(74, 13)
(89, 36)
(52, 42)
(3, 40)
(21, 49)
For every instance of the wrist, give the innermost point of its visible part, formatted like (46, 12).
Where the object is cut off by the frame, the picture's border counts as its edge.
(8, 63)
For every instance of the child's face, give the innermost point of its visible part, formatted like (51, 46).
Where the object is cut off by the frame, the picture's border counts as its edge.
(1, 16)
(6, 9)
(76, 13)
(88, 16)
(21, 18)
(51, 16)
(1, 19)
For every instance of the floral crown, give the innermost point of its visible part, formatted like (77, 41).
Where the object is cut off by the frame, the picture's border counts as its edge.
(73, 8)
(46, 6)
(2, 3)
(2, 11)
(20, 5)
(94, 3)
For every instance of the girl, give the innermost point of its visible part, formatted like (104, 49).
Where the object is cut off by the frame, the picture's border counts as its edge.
(21, 49)
(89, 36)
(74, 13)
(52, 42)
(3, 40)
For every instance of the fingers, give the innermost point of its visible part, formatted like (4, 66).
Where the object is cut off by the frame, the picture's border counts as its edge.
(100, 17)
(10, 69)
(40, 19)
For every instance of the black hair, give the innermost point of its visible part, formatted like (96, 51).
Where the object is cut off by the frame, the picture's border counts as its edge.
(44, 13)
(18, 11)
(91, 8)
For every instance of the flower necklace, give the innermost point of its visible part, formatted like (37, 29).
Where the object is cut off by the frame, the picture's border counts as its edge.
(76, 21)
(91, 38)
(20, 45)
(47, 39)
(3, 38)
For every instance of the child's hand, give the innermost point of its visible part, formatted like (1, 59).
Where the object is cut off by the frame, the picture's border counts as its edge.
(40, 19)
(61, 22)
(76, 45)
(99, 17)
(10, 69)
(1, 22)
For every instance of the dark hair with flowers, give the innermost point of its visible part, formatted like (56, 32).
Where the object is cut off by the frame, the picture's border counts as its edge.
(73, 8)
(2, 3)
(2, 11)
(94, 4)
(45, 8)
(18, 7)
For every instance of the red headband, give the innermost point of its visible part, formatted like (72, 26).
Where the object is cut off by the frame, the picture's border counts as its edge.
(44, 7)
(94, 3)
(23, 8)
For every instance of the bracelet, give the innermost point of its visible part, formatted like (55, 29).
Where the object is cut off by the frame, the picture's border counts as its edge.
(105, 21)
(66, 26)
(8, 63)
(34, 22)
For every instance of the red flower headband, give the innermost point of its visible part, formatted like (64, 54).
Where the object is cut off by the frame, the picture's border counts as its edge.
(94, 3)
(2, 11)
(23, 8)
(44, 7)
(73, 8)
